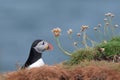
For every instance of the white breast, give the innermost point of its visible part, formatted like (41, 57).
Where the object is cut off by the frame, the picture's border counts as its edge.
(38, 63)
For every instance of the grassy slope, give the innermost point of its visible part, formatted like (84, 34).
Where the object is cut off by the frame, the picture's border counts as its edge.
(111, 49)
(80, 67)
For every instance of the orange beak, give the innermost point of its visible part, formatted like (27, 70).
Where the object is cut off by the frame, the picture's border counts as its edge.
(49, 47)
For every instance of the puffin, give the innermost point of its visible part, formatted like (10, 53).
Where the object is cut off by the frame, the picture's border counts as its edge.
(35, 55)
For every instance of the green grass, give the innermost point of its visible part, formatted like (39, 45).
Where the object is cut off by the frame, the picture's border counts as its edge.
(117, 38)
(81, 55)
(112, 48)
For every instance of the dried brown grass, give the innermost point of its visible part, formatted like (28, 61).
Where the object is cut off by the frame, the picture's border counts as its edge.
(94, 73)
(2, 77)
(42, 73)
(85, 71)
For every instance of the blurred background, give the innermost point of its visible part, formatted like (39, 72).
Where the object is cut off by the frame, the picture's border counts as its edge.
(23, 21)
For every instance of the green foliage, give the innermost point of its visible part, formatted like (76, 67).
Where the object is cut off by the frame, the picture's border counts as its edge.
(82, 55)
(112, 47)
(117, 38)
(95, 50)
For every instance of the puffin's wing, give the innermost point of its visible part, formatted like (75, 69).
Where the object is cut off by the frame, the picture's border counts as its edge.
(28, 62)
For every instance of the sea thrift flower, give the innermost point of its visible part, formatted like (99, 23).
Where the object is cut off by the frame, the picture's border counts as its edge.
(101, 49)
(84, 27)
(99, 25)
(75, 43)
(105, 41)
(116, 26)
(112, 15)
(95, 28)
(108, 14)
(105, 19)
(107, 23)
(78, 34)
(70, 31)
(56, 32)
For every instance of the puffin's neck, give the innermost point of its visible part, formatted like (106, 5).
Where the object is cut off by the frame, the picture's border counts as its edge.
(35, 55)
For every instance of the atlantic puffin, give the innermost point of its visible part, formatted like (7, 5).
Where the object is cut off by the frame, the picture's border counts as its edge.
(35, 55)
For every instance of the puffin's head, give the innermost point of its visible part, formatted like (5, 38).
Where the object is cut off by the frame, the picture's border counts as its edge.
(41, 45)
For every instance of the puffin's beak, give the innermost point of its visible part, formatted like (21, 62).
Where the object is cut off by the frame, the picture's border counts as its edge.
(49, 47)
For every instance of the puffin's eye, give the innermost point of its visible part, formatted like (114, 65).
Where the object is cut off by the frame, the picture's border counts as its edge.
(43, 43)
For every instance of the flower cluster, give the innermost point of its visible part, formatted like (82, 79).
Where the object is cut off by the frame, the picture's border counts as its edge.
(95, 28)
(56, 32)
(84, 27)
(109, 14)
(70, 31)
(78, 34)
(116, 26)
(101, 32)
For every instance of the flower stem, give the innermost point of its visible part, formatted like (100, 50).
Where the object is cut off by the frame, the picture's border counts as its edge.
(84, 39)
(60, 47)
(111, 26)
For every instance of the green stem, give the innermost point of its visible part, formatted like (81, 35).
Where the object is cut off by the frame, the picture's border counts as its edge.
(111, 26)
(106, 33)
(60, 47)
(92, 42)
(100, 34)
(84, 39)
(70, 37)
(96, 34)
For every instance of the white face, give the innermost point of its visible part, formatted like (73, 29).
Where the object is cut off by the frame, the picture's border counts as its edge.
(41, 46)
